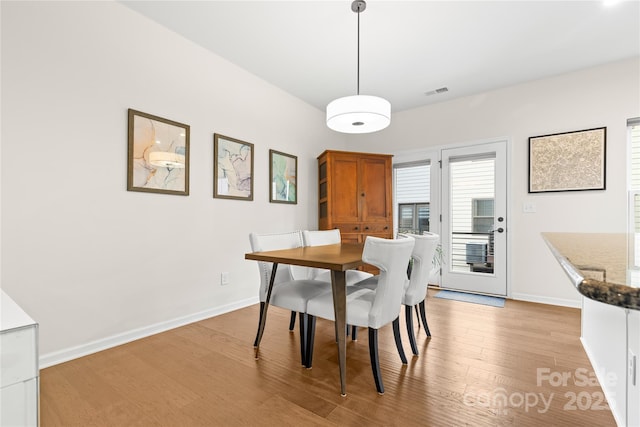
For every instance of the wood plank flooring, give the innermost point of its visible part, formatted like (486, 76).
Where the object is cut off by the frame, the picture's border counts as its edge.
(483, 366)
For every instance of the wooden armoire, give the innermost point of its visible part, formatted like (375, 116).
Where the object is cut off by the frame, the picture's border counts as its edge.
(354, 194)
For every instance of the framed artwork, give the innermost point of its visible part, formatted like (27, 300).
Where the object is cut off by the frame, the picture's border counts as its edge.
(283, 170)
(158, 155)
(232, 168)
(571, 161)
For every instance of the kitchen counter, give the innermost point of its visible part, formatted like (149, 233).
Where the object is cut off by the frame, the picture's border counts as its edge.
(597, 264)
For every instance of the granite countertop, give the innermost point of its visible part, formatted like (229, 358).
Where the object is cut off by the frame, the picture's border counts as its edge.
(597, 264)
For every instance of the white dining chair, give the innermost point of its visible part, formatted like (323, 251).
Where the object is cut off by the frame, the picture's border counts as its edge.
(331, 237)
(288, 292)
(371, 308)
(415, 293)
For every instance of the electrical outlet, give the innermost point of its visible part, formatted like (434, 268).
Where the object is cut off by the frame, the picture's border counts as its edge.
(224, 278)
(632, 369)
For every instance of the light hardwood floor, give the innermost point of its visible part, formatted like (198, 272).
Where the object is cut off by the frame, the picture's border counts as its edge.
(484, 366)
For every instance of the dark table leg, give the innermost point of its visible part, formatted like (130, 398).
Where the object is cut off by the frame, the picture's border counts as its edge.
(338, 286)
(263, 316)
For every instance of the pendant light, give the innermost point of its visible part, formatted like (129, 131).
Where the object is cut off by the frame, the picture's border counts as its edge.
(358, 113)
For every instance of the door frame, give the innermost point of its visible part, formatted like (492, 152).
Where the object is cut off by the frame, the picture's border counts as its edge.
(494, 282)
(434, 154)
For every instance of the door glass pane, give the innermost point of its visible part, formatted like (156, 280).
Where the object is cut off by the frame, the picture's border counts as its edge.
(472, 184)
(482, 215)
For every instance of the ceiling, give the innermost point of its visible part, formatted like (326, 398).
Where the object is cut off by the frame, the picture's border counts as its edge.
(407, 48)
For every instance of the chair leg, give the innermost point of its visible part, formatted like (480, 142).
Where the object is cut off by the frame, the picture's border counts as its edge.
(412, 337)
(423, 313)
(417, 316)
(311, 332)
(292, 321)
(303, 338)
(375, 363)
(353, 331)
(255, 342)
(396, 337)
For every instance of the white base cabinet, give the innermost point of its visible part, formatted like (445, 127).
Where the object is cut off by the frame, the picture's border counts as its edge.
(611, 338)
(19, 373)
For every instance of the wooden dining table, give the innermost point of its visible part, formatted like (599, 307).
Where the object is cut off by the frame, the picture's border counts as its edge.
(338, 258)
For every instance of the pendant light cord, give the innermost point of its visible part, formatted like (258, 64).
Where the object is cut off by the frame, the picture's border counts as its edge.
(358, 67)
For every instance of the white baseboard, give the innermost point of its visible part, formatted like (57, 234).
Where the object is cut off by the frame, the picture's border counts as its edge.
(546, 300)
(71, 353)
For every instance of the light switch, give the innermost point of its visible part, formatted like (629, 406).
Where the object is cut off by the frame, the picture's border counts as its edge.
(528, 207)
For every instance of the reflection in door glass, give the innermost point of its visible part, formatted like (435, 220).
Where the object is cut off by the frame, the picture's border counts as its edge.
(472, 214)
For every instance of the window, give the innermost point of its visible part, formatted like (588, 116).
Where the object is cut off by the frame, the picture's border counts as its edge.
(413, 217)
(412, 194)
(482, 215)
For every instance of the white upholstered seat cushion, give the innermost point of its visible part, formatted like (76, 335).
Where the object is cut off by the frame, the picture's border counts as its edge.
(359, 302)
(294, 295)
(287, 292)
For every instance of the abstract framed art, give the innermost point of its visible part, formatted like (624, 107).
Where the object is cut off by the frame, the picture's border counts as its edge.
(232, 168)
(570, 161)
(283, 181)
(158, 155)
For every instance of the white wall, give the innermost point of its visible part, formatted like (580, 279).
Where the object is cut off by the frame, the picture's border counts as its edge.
(84, 257)
(89, 260)
(603, 96)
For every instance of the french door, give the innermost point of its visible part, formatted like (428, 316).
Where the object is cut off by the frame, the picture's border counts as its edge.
(474, 221)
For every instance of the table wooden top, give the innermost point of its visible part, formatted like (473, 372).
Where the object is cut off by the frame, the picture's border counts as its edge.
(340, 257)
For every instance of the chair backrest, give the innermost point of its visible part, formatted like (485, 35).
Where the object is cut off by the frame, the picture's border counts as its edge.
(391, 257)
(320, 238)
(272, 242)
(422, 256)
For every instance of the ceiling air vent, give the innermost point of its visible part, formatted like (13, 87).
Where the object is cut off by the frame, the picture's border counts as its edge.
(437, 91)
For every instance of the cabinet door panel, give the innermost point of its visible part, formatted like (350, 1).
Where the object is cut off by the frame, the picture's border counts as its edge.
(18, 361)
(19, 404)
(344, 189)
(375, 180)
